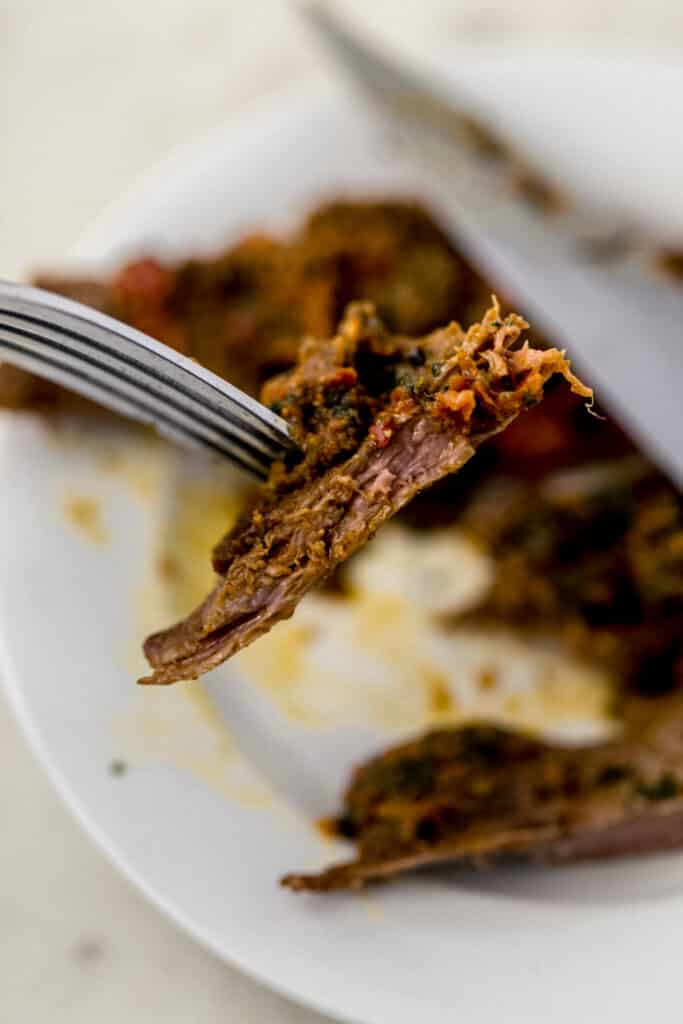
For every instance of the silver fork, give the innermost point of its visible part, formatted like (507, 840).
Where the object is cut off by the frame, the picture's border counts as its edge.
(125, 370)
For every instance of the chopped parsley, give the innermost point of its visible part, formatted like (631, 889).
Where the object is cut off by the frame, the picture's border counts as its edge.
(666, 787)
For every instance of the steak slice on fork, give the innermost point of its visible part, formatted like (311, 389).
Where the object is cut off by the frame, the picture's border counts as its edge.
(377, 418)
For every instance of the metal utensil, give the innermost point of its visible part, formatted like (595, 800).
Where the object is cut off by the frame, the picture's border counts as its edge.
(583, 279)
(126, 371)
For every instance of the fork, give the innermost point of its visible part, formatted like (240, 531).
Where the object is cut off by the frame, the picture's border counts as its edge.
(124, 370)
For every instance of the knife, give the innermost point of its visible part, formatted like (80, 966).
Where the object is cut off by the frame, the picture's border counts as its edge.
(588, 281)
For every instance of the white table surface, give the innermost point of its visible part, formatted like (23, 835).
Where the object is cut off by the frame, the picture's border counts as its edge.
(92, 93)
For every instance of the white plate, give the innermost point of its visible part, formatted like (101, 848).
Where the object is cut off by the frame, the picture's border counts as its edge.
(191, 823)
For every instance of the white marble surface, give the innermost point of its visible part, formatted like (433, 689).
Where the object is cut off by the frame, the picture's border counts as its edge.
(93, 92)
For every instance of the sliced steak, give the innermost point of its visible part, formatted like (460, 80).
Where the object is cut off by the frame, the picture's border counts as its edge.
(479, 794)
(378, 418)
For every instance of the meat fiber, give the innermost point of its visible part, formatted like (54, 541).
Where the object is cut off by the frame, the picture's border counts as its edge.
(378, 418)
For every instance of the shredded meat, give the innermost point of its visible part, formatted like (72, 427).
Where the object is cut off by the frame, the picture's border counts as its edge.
(378, 417)
(243, 313)
(479, 794)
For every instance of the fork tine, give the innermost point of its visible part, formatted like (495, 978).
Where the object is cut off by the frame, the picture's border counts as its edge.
(56, 365)
(139, 356)
(77, 351)
(106, 354)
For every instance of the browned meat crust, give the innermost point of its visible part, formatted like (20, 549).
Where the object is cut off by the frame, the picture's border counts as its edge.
(479, 794)
(596, 557)
(243, 313)
(379, 417)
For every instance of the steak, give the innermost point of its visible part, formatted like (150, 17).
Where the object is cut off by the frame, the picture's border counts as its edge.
(480, 794)
(378, 418)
